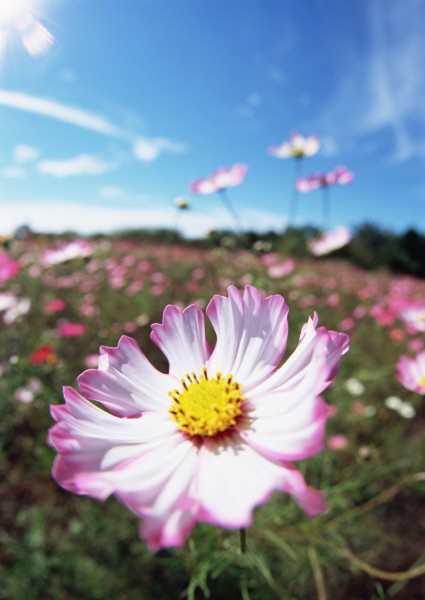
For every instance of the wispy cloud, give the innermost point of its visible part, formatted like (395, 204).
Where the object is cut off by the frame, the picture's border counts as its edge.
(146, 149)
(13, 172)
(83, 164)
(61, 112)
(383, 90)
(22, 153)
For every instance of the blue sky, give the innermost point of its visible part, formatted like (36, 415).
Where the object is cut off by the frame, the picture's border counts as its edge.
(136, 98)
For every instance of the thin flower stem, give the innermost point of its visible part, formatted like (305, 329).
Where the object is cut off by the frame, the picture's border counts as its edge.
(317, 574)
(326, 207)
(295, 193)
(242, 541)
(386, 575)
(226, 201)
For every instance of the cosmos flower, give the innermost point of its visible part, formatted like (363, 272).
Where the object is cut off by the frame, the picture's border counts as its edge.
(71, 329)
(13, 307)
(411, 372)
(8, 267)
(414, 317)
(221, 179)
(296, 147)
(215, 436)
(330, 241)
(69, 251)
(339, 175)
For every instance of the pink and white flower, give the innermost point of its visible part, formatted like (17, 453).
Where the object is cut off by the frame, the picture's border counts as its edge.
(340, 175)
(221, 179)
(297, 146)
(411, 372)
(414, 317)
(69, 251)
(330, 241)
(215, 436)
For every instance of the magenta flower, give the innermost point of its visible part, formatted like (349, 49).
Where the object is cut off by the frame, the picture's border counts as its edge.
(221, 179)
(330, 241)
(8, 267)
(71, 329)
(213, 438)
(411, 372)
(339, 175)
(297, 146)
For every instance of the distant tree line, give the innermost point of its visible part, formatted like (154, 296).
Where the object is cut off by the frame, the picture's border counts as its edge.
(371, 247)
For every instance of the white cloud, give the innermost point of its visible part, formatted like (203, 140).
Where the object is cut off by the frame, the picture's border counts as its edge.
(85, 219)
(13, 172)
(61, 112)
(383, 91)
(148, 149)
(22, 153)
(83, 164)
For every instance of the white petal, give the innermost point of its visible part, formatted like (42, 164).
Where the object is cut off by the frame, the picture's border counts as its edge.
(233, 479)
(181, 337)
(251, 334)
(126, 382)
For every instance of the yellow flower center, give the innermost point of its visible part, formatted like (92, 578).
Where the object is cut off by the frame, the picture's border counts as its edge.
(206, 406)
(422, 382)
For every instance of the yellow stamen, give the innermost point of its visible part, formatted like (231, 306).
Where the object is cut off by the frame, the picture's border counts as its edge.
(205, 406)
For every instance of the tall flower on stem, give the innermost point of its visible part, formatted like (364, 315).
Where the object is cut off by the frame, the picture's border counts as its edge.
(340, 175)
(297, 147)
(215, 436)
(181, 205)
(218, 182)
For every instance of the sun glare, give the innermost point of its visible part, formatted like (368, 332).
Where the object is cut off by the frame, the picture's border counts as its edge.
(11, 11)
(18, 22)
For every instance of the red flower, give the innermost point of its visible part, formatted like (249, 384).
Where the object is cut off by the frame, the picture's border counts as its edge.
(44, 354)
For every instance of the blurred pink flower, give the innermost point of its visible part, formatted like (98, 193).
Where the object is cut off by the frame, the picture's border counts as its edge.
(339, 441)
(221, 179)
(330, 241)
(213, 438)
(414, 317)
(71, 329)
(56, 305)
(297, 146)
(8, 267)
(411, 372)
(69, 251)
(281, 269)
(339, 175)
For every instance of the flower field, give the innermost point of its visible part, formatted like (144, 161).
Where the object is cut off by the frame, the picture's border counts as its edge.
(60, 301)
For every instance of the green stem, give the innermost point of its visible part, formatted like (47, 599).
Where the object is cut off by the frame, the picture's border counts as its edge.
(226, 201)
(242, 541)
